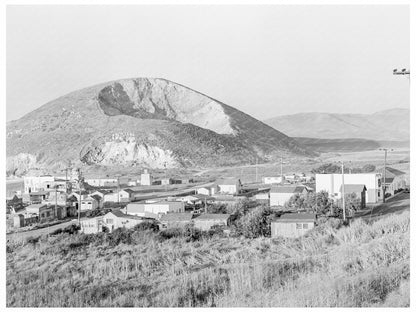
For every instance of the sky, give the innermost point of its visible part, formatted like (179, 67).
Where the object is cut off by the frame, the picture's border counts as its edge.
(266, 60)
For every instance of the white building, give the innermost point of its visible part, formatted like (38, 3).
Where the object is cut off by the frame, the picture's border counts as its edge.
(89, 203)
(332, 182)
(36, 184)
(272, 180)
(117, 219)
(279, 195)
(229, 186)
(146, 178)
(154, 209)
(206, 190)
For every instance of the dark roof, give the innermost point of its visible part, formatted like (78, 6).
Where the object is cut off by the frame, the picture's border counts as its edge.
(96, 197)
(181, 216)
(130, 191)
(287, 189)
(388, 180)
(353, 188)
(104, 192)
(295, 217)
(394, 172)
(213, 216)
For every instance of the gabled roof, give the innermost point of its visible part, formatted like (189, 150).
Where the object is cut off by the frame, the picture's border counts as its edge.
(393, 171)
(229, 181)
(39, 193)
(96, 197)
(213, 216)
(180, 216)
(130, 191)
(296, 217)
(104, 192)
(353, 188)
(120, 214)
(288, 189)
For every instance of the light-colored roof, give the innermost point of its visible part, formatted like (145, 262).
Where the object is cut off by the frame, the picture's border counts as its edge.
(178, 216)
(296, 217)
(353, 188)
(120, 214)
(213, 216)
(228, 181)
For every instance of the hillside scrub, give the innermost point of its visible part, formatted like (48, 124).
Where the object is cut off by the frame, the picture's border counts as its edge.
(332, 266)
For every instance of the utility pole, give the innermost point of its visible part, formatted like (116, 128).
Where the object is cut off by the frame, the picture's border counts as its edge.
(343, 191)
(79, 201)
(56, 200)
(118, 190)
(166, 176)
(384, 173)
(256, 170)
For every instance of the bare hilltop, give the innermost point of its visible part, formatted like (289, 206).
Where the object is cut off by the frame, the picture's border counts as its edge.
(147, 122)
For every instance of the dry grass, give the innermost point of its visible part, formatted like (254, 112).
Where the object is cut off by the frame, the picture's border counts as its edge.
(361, 265)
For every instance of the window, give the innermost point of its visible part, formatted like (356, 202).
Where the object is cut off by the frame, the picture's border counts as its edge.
(305, 225)
(109, 221)
(298, 226)
(48, 214)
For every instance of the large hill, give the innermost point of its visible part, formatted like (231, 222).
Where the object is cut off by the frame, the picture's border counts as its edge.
(141, 122)
(388, 125)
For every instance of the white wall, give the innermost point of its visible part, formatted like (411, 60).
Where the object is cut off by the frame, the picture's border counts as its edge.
(279, 199)
(228, 189)
(331, 183)
(271, 180)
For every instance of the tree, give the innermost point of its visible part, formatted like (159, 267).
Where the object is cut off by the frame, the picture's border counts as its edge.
(319, 203)
(255, 223)
(327, 168)
(369, 168)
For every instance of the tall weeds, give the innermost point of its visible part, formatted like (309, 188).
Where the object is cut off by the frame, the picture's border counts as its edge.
(356, 266)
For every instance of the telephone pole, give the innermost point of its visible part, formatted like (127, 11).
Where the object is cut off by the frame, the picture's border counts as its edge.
(343, 191)
(79, 201)
(384, 171)
(256, 170)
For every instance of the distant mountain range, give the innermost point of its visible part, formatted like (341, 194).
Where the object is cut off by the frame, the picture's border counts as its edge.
(145, 122)
(387, 125)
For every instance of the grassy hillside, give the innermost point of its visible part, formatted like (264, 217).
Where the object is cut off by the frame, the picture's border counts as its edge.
(338, 145)
(358, 266)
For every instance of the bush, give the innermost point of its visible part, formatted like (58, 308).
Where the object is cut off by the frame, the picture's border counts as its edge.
(146, 226)
(255, 223)
(32, 240)
(170, 233)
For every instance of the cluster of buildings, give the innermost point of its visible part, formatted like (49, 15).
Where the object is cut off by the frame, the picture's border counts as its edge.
(49, 198)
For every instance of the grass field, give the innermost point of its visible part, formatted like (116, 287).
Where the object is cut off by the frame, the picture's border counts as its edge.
(357, 266)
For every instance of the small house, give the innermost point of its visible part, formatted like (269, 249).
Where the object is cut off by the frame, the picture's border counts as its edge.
(91, 225)
(89, 203)
(279, 195)
(229, 186)
(272, 180)
(292, 225)
(206, 190)
(117, 219)
(207, 220)
(358, 189)
(175, 220)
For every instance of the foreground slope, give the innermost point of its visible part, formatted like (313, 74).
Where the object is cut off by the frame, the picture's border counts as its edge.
(358, 266)
(146, 122)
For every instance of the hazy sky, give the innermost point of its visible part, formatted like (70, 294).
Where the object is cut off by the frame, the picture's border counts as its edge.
(263, 60)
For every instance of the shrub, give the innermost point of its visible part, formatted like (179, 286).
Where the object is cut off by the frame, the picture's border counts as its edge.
(255, 223)
(32, 240)
(170, 233)
(146, 226)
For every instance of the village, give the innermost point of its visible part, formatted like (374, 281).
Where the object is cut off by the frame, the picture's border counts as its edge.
(106, 204)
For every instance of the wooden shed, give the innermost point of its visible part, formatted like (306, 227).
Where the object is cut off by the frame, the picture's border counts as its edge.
(293, 224)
